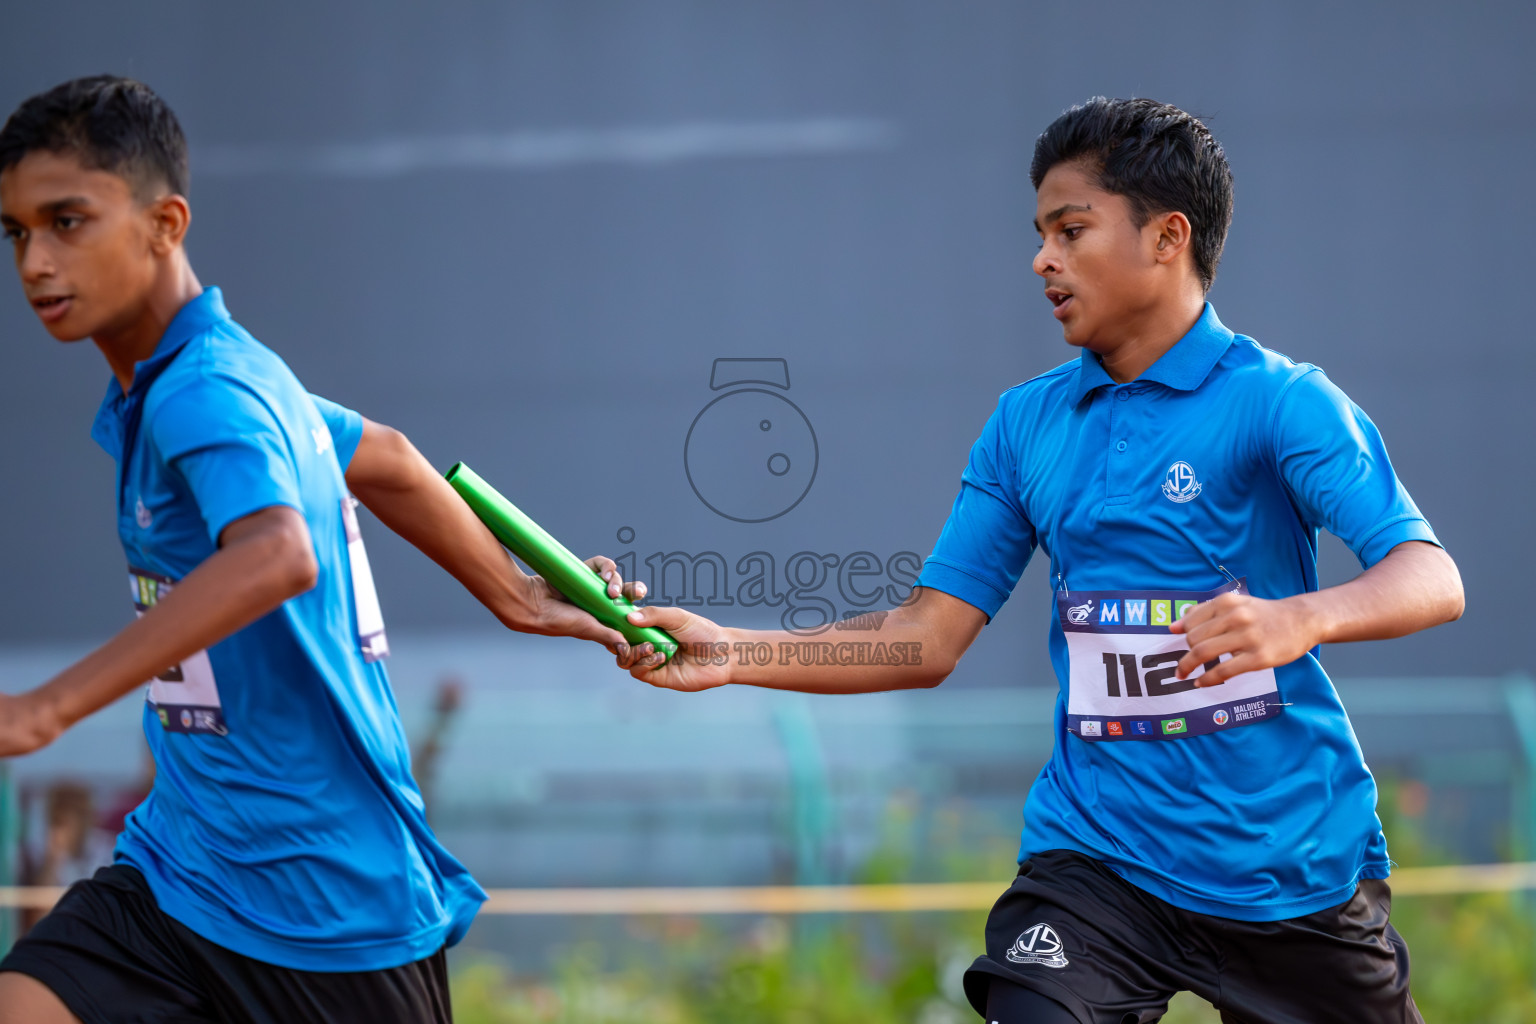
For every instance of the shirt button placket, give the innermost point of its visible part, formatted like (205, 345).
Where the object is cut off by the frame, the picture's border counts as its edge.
(1119, 475)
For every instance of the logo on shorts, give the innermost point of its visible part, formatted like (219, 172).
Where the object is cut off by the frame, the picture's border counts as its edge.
(1221, 717)
(1090, 728)
(1179, 483)
(1038, 945)
(141, 515)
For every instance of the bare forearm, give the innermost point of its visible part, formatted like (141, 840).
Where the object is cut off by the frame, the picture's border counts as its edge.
(236, 586)
(398, 485)
(409, 496)
(1414, 587)
(917, 645)
(778, 660)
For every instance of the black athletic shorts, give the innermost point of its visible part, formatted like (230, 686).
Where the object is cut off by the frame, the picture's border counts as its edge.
(1071, 929)
(113, 957)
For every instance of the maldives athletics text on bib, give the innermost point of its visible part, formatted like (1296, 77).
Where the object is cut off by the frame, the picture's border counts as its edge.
(1121, 665)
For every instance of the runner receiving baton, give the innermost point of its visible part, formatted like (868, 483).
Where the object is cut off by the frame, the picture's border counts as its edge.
(1206, 821)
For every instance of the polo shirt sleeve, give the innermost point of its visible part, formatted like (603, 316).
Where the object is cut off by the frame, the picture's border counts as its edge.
(987, 540)
(229, 447)
(1335, 466)
(346, 428)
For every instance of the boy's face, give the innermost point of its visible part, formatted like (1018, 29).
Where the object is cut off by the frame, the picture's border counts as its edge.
(85, 245)
(1100, 270)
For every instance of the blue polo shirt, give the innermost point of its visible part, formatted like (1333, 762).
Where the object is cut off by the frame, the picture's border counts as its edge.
(1215, 469)
(284, 823)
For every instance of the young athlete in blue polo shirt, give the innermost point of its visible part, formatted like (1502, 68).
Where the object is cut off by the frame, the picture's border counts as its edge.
(281, 869)
(1206, 821)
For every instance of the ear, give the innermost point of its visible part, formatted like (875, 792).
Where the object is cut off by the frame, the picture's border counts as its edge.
(169, 217)
(1171, 234)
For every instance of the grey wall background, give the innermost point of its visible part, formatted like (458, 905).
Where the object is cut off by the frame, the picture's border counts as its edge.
(523, 232)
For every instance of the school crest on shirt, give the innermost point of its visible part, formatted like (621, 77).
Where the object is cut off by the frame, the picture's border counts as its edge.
(1038, 944)
(1180, 483)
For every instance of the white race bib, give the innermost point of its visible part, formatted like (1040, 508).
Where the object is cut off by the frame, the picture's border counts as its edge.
(370, 617)
(1122, 660)
(185, 696)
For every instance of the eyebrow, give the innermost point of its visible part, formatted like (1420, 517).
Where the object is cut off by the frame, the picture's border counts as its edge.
(60, 204)
(1064, 208)
(52, 207)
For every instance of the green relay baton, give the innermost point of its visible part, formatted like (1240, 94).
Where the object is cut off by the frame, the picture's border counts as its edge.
(552, 560)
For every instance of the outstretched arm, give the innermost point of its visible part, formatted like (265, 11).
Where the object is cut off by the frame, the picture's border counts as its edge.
(920, 643)
(398, 484)
(1415, 586)
(263, 560)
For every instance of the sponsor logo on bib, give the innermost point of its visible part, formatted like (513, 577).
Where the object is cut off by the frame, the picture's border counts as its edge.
(1221, 717)
(1038, 945)
(209, 721)
(1091, 728)
(1253, 709)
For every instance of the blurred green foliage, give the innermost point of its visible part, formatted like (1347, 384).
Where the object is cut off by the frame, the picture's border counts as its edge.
(1474, 956)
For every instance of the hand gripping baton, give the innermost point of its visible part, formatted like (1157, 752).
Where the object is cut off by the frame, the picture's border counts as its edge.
(552, 560)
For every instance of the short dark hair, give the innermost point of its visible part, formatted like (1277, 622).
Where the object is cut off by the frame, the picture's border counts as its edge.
(108, 123)
(1158, 157)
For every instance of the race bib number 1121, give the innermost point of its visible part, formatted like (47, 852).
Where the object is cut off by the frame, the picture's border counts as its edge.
(1122, 662)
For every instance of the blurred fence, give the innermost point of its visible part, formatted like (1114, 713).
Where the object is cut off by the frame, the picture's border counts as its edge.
(910, 897)
(571, 792)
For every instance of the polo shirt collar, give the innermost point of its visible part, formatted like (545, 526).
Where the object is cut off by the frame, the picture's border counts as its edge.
(1183, 367)
(191, 320)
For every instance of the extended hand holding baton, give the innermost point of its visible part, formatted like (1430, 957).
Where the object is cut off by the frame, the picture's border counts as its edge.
(552, 560)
